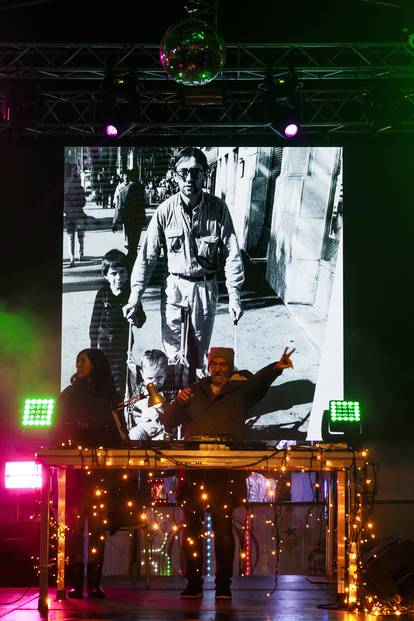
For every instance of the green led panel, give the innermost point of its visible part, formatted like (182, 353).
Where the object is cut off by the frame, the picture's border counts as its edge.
(38, 412)
(344, 412)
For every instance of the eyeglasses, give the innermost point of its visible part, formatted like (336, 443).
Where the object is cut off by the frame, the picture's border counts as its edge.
(195, 173)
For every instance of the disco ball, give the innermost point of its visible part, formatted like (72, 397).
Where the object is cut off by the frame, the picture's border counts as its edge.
(192, 52)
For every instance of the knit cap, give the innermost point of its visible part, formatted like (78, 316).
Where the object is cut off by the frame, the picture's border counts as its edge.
(227, 353)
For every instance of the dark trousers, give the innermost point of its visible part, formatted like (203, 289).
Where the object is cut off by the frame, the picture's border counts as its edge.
(223, 543)
(82, 504)
(132, 234)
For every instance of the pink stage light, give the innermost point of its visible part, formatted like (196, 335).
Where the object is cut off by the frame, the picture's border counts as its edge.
(111, 130)
(291, 130)
(23, 475)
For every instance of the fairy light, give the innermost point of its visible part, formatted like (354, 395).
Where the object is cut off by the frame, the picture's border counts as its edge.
(208, 544)
(247, 543)
(161, 557)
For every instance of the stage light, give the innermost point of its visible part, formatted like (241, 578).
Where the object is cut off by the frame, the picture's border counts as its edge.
(282, 104)
(23, 475)
(22, 103)
(112, 87)
(120, 103)
(344, 416)
(291, 130)
(38, 412)
(111, 130)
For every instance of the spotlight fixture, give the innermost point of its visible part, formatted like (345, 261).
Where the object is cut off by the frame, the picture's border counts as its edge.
(282, 104)
(342, 422)
(120, 101)
(21, 103)
(290, 130)
(38, 412)
(23, 475)
(111, 130)
(344, 416)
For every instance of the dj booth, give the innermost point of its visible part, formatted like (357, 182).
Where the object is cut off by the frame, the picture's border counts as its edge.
(339, 462)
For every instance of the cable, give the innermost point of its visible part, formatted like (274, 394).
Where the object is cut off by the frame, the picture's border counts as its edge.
(15, 602)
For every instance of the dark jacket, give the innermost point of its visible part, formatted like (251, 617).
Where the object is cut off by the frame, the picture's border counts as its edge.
(84, 416)
(74, 200)
(130, 207)
(108, 327)
(225, 414)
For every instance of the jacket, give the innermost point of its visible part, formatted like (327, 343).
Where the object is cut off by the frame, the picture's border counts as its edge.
(130, 205)
(85, 416)
(108, 325)
(225, 414)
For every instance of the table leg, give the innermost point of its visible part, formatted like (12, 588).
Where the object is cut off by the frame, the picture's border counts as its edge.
(330, 526)
(341, 532)
(147, 556)
(43, 603)
(61, 533)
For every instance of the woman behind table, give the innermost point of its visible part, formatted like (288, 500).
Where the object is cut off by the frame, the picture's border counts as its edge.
(85, 418)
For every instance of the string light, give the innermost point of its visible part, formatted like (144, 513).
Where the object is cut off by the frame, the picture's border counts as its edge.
(208, 544)
(361, 533)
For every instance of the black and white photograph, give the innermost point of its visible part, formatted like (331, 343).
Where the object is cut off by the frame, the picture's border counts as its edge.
(254, 264)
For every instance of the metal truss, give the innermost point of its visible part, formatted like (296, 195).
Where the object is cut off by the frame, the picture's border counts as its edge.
(351, 87)
(244, 61)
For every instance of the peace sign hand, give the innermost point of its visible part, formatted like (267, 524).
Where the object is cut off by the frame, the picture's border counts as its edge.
(285, 361)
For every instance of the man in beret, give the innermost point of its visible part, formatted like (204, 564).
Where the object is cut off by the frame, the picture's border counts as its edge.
(216, 405)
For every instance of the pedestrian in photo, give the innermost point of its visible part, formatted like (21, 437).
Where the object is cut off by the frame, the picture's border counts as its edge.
(195, 231)
(130, 212)
(75, 217)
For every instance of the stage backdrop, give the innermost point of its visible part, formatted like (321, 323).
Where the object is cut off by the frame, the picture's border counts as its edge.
(286, 208)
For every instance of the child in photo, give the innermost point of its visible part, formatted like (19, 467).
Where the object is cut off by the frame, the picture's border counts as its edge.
(144, 418)
(108, 328)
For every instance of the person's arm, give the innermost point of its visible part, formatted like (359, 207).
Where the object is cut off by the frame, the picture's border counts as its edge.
(176, 413)
(57, 433)
(144, 265)
(233, 264)
(257, 386)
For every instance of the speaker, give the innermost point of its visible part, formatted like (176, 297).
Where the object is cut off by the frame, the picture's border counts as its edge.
(389, 568)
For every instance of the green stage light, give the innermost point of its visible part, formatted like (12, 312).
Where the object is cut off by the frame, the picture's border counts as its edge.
(38, 412)
(344, 415)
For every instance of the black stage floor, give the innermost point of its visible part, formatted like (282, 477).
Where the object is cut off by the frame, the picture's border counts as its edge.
(296, 599)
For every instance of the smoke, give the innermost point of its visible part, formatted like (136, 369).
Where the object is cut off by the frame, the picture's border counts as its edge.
(29, 349)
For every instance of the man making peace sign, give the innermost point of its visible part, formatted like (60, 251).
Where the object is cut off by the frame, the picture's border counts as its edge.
(216, 405)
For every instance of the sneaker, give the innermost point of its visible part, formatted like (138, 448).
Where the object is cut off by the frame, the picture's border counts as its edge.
(96, 593)
(192, 591)
(223, 592)
(76, 593)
